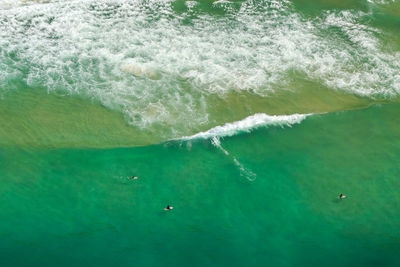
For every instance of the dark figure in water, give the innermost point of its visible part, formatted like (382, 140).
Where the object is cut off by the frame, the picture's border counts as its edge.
(168, 207)
(341, 196)
(133, 177)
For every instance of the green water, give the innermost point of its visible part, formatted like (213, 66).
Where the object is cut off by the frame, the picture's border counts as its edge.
(76, 206)
(248, 117)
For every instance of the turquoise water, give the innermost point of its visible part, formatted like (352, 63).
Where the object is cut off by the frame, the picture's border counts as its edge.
(248, 117)
(76, 206)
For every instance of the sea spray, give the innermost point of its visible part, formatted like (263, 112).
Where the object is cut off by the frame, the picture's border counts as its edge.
(247, 125)
(163, 64)
(159, 64)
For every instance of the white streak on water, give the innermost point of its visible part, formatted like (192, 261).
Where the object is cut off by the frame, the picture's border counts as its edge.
(158, 65)
(245, 172)
(248, 124)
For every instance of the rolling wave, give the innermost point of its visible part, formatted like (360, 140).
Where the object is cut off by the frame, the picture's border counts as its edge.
(247, 125)
(158, 62)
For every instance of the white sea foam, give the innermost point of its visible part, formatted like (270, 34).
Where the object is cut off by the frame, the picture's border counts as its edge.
(8, 4)
(158, 63)
(381, 1)
(246, 125)
(245, 172)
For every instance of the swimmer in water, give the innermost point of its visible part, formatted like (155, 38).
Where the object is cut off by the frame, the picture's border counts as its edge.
(133, 177)
(341, 196)
(168, 207)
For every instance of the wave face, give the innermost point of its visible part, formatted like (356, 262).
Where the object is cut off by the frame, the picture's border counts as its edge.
(246, 125)
(159, 61)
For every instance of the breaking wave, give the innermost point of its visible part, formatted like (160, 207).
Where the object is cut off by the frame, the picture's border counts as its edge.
(248, 124)
(157, 62)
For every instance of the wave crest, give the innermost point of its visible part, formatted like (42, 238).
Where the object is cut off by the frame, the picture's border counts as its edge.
(159, 63)
(248, 124)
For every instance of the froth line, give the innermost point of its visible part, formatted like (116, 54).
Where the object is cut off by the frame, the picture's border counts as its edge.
(248, 124)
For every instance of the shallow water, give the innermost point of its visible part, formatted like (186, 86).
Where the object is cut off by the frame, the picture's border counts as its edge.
(76, 206)
(169, 66)
(248, 117)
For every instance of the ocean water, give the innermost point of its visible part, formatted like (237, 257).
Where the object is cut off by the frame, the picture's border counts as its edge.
(248, 117)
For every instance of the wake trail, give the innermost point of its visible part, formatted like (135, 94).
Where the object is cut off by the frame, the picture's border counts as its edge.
(245, 172)
(245, 125)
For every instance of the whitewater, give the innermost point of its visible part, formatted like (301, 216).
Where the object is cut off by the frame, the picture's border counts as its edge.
(249, 117)
(162, 64)
(247, 125)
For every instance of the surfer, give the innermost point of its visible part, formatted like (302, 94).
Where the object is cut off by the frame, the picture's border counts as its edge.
(168, 207)
(341, 196)
(133, 177)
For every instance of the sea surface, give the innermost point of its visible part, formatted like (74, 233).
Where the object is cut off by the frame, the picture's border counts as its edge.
(248, 117)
